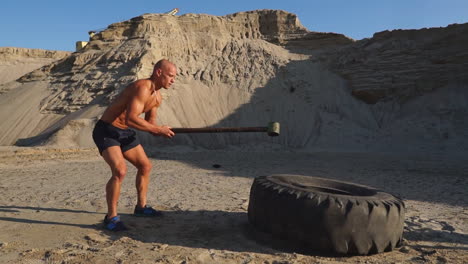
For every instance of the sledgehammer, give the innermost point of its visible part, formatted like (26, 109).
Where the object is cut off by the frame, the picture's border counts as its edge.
(273, 129)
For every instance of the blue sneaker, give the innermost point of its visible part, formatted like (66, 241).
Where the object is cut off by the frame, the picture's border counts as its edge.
(114, 224)
(146, 211)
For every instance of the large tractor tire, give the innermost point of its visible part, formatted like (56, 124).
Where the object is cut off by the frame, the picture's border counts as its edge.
(323, 215)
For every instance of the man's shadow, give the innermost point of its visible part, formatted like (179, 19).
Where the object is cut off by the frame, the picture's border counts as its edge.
(18, 209)
(219, 230)
(195, 229)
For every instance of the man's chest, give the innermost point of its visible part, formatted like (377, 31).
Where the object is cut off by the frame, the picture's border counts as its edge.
(152, 102)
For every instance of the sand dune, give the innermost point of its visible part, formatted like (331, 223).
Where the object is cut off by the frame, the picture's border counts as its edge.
(257, 67)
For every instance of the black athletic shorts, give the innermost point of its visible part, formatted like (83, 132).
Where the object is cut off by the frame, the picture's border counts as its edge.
(106, 135)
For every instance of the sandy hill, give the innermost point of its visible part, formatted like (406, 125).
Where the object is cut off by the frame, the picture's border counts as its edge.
(403, 90)
(15, 62)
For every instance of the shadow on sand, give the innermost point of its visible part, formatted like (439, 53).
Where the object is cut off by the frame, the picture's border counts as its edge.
(210, 230)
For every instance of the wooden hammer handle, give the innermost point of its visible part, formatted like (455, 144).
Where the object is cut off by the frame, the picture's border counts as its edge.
(219, 129)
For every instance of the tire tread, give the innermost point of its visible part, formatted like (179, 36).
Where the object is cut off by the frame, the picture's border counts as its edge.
(284, 211)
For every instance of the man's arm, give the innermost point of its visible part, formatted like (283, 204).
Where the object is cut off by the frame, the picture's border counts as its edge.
(151, 116)
(135, 107)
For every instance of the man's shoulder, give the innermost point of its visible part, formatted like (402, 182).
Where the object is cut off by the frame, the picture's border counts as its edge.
(142, 84)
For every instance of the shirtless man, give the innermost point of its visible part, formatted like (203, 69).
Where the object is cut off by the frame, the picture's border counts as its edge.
(117, 142)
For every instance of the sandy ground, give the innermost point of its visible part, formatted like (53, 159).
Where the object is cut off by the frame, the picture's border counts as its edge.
(52, 203)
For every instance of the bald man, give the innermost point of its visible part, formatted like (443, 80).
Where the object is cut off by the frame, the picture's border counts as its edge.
(117, 141)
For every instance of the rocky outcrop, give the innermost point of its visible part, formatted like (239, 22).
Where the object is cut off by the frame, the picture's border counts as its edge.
(18, 54)
(402, 64)
(15, 62)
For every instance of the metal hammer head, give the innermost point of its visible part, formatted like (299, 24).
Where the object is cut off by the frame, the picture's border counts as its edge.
(273, 129)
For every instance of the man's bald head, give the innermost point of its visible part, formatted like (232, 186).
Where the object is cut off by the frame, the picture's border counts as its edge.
(163, 65)
(164, 73)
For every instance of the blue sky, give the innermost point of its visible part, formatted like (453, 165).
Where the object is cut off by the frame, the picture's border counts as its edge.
(58, 24)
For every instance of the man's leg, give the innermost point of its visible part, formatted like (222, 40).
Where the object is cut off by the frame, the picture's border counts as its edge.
(138, 158)
(114, 157)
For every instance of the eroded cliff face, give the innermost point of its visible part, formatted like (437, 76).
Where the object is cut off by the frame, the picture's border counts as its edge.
(328, 91)
(15, 62)
(402, 64)
(206, 48)
(415, 83)
(18, 54)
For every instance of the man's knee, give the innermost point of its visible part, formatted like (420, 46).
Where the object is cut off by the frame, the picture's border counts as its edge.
(145, 167)
(119, 171)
